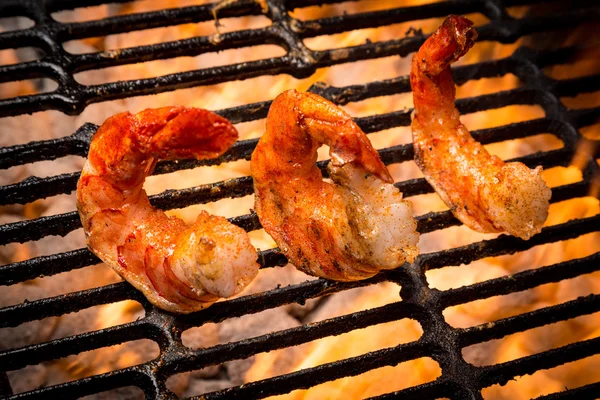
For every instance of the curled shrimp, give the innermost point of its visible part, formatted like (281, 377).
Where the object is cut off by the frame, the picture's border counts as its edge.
(346, 230)
(482, 191)
(179, 268)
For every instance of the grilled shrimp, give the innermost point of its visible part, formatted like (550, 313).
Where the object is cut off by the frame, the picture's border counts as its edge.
(179, 268)
(346, 230)
(482, 191)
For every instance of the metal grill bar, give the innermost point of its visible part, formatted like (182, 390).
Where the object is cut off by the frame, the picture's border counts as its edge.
(440, 341)
(62, 224)
(392, 356)
(139, 377)
(534, 319)
(78, 143)
(71, 97)
(431, 390)
(72, 302)
(299, 335)
(502, 373)
(527, 365)
(509, 244)
(50, 265)
(522, 281)
(77, 344)
(306, 378)
(35, 188)
(21, 313)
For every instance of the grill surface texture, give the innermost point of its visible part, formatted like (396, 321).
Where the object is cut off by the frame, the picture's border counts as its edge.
(440, 341)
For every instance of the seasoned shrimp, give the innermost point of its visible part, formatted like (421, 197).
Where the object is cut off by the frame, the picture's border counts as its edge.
(348, 230)
(482, 191)
(179, 268)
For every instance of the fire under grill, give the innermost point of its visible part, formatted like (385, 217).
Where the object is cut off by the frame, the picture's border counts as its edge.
(439, 341)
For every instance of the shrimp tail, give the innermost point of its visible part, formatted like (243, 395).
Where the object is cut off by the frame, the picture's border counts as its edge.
(450, 42)
(126, 146)
(179, 132)
(431, 80)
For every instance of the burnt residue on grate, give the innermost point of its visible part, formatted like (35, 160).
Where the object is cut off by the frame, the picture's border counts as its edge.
(439, 341)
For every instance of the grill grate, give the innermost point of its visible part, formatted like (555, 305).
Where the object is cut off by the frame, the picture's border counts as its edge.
(439, 341)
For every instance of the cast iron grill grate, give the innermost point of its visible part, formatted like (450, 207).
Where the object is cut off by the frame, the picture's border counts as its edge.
(439, 341)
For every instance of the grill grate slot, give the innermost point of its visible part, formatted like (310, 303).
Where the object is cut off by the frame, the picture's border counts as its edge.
(440, 341)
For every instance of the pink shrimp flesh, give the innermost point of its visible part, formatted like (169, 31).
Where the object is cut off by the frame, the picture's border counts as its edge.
(179, 268)
(345, 230)
(482, 191)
